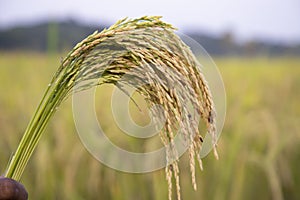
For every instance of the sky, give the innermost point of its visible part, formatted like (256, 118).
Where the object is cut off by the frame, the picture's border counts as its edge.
(277, 20)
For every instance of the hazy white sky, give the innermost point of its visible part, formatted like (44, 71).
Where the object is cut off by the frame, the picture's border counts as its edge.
(271, 19)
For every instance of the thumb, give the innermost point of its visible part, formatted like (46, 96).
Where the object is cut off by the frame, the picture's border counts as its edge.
(12, 190)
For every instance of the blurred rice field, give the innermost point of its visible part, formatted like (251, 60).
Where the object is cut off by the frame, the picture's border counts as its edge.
(259, 147)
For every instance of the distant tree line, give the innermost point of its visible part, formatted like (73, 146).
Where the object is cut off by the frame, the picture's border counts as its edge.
(62, 36)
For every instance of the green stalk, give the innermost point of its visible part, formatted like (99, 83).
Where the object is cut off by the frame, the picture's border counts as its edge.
(29, 141)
